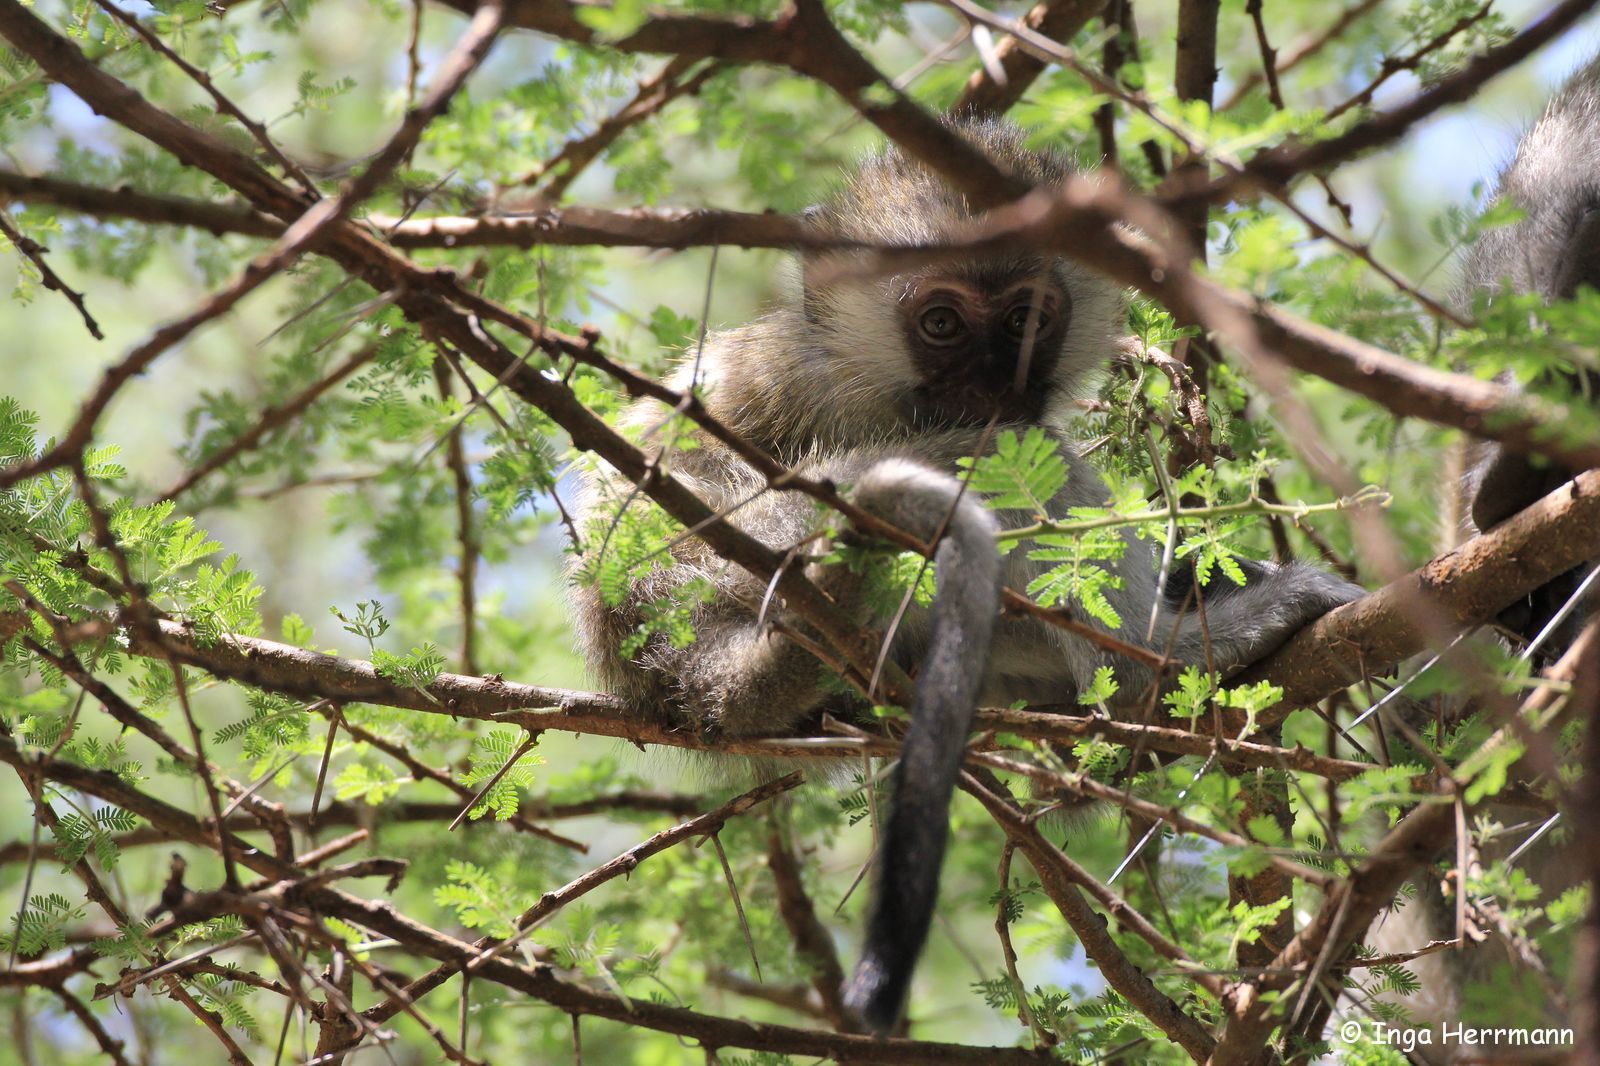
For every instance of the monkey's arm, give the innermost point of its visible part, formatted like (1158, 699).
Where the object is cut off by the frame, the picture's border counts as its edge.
(1240, 624)
(739, 676)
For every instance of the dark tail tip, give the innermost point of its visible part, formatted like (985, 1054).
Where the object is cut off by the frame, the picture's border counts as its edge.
(875, 995)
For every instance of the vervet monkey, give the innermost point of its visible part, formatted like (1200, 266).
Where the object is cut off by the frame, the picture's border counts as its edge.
(1554, 179)
(882, 384)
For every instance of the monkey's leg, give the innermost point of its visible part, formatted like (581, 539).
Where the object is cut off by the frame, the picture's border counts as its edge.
(740, 677)
(1506, 485)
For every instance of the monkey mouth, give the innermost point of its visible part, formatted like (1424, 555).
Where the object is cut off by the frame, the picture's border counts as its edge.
(970, 386)
(971, 406)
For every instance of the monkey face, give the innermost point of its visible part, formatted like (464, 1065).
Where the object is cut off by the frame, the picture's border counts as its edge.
(984, 343)
(953, 346)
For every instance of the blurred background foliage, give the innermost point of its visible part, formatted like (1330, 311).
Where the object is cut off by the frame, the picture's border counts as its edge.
(353, 503)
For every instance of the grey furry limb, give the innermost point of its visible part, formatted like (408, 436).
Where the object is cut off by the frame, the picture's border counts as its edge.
(953, 668)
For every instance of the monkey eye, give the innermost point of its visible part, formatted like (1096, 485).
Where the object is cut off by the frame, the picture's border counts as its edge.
(1016, 320)
(941, 324)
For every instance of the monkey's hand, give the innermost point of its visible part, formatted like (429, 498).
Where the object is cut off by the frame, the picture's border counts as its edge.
(1244, 623)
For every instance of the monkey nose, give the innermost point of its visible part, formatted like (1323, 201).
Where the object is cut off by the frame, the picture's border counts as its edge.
(1000, 363)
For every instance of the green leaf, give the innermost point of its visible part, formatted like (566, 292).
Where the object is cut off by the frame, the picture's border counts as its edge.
(1022, 473)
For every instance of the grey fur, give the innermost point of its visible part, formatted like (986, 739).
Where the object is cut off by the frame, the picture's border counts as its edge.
(1554, 178)
(823, 386)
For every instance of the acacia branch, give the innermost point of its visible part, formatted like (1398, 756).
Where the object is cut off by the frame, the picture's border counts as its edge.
(1086, 786)
(1120, 972)
(341, 813)
(1276, 167)
(800, 998)
(124, 202)
(32, 774)
(62, 59)
(272, 417)
(224, 105)
(1393, 65)
(1463, 587)
(1300, 51)
(673, 81)
(1057, 19)
(420, 771)
(1269, 54)
(70, 446)
(34, 252)
(710, 1031)
(466, 524)
(489, 948)
(293, 890)
(812, 941)
(668, 228)
(1583, 799)
(1341, 921)
(1344, 916)
(109, 1045)
(322, 679)
(1057, 869)
(803, 39)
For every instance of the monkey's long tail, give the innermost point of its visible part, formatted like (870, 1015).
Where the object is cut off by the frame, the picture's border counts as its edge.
(912, 847)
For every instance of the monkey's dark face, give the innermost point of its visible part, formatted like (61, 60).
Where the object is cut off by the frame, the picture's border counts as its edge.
(982, 348)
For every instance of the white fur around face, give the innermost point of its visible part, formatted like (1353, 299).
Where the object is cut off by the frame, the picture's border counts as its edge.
(863, 334)
(1098, 317)
(866, 337)
(869, 362)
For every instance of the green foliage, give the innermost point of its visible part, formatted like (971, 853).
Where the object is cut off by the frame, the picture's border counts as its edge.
(1022, 474)
(371, 781)
(416, 669)
(41, 926)
(77, 834)
(1103, 687)
(211, 931)
(672, 616)
(356, 500)
(228, 997)
(888, 576)
(498, 754)
(1249, 921)
(624, 546)
(274, 722)
(478, 900)
(1192, 697)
